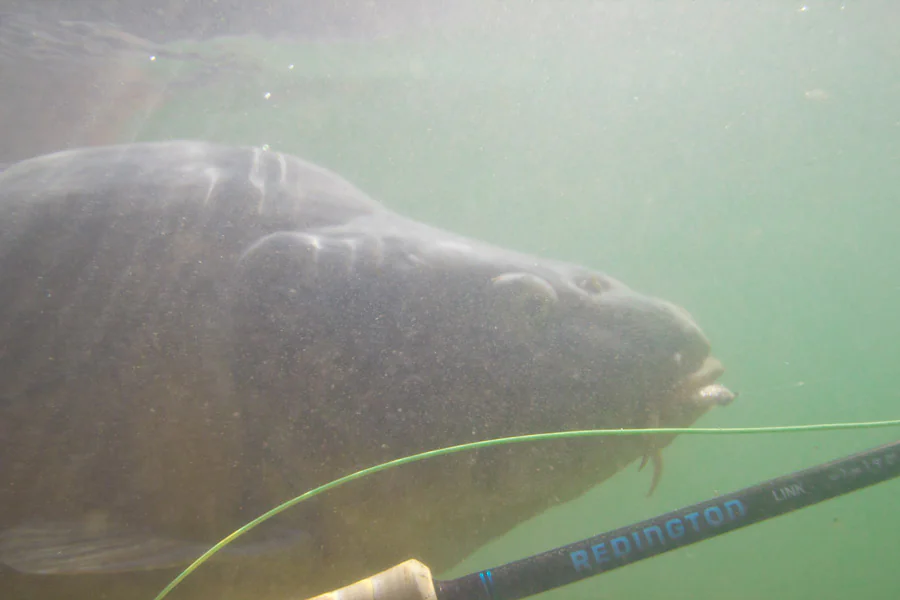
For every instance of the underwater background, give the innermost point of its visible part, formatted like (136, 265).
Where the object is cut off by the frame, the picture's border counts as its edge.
(739, 159)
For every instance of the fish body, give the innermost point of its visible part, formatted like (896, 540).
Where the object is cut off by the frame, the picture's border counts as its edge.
(191, 334)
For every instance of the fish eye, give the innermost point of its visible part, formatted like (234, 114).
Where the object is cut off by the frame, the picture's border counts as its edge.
(592, 284)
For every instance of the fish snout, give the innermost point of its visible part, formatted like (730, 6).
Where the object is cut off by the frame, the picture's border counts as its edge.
(699, 369)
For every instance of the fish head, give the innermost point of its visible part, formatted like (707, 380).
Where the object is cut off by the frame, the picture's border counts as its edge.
(569, 345)
(422, 339)
(551, 344)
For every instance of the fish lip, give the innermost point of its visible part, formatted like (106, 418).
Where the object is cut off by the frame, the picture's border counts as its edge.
(701, 388)
(708, 372)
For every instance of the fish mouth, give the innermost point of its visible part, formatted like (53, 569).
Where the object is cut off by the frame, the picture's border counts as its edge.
(696, 393)
(701, 387)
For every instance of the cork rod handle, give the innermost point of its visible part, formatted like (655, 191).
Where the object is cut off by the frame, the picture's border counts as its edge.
(410, 580)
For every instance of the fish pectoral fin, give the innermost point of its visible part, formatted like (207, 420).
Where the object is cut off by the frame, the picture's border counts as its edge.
(58, 548)
(65, 548)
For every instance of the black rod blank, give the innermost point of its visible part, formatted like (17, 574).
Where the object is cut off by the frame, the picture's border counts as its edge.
(605, 552)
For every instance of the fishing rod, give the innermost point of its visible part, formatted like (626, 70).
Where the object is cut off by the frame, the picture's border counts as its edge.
(599, 554)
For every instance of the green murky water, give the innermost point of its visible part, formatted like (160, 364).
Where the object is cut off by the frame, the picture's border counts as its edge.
(742, 161)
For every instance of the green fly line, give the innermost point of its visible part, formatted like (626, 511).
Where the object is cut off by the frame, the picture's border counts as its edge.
(534, 437)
